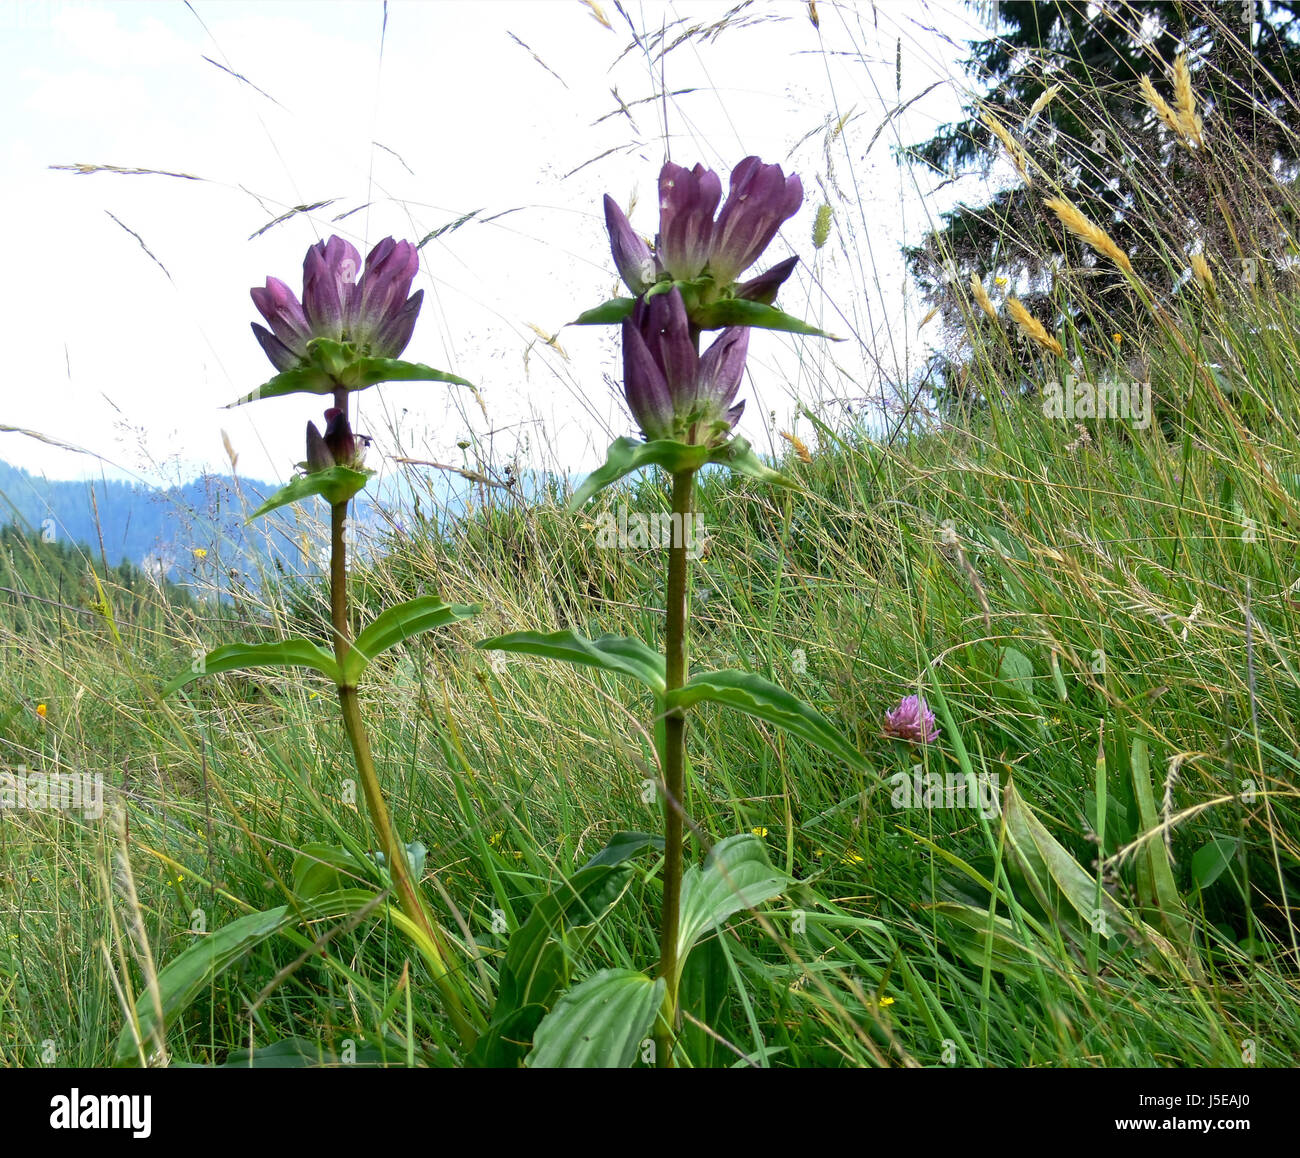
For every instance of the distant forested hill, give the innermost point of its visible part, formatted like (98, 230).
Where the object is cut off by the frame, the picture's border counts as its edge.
(149, 527)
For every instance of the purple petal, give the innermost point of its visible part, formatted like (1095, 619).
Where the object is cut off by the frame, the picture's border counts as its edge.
(632, 256)
(329, 275)
(764, 287)
(278, 305)
(318, 454)
(644, 386)
(760, 199)
(687, 200)
(733, 415)
(382, 292)
(667, 332)
(282, 358)
(721, 369)
(338, 439)
(395, 334)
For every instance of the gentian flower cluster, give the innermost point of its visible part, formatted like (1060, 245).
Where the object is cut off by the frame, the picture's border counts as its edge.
(673, 392)
(373, 313)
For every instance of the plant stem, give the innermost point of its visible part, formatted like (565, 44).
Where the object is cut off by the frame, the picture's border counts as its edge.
(674, 761)
(392, 848)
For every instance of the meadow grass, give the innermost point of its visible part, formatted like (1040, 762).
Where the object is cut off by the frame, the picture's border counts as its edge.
(1103, 612)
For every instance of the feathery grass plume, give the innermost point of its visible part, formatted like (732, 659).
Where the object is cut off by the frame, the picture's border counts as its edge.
(1185, 101)
(929, 317)
(1013, 147)
(1044, 99)
(1092, 235)
(982, 299)
(1032, 327)
(1161, 106)
(800, 450)
(1201, 271)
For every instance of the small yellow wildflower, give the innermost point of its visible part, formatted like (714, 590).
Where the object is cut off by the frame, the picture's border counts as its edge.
(1117, 338)
(41, 709)
(495, 838)
(759, 831)
(1000, 282)
(852, 858)
(200, 553)
(886, 1001)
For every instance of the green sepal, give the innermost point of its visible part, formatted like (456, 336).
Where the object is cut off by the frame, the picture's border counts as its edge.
(333, 366)
(336, 485)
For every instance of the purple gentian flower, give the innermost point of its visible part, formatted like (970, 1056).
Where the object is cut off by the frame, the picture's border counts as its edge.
(372, 312)
(337, 447)
(672, 391)
(691, 243)
(912, 720)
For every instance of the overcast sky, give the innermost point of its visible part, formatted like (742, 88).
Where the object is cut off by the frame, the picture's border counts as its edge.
(458, 105)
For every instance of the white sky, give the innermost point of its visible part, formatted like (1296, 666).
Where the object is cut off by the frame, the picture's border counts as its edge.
(105, 352)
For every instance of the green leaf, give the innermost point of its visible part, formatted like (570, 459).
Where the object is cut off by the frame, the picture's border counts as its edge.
(756, 696)
(739, 456)
(631, 454)
(1155, 876)
(737, 875)
(539, 955)
(1211, 860)
(233, 656)
(976, 937)
(740, 312)
(301, 1053)
(326, 868)
(623, 846)
(1052, 873)
(335, 485)
(182, 980)
(606, 314)
(399, 623)
(331, 366)
(1017, 669)
(600, 1024)
(613, 653)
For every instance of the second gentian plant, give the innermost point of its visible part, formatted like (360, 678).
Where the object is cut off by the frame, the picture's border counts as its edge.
(348, 333)
(683, 397)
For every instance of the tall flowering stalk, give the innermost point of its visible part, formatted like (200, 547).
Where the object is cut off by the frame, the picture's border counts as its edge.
(684, 402)
(347, 333)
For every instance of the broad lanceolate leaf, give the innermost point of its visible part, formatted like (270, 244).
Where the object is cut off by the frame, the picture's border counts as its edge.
(232, 657)
(1053, 874)
(608, 313)
(335, 485)
(756, 696)
(740, 312)
(737, 875)
(613, 653)
(326, 868)
(996, 941)
(336, 365)
(399, 623)
(600, 1024)
(540, 959)
(631, 454)
(183, 979)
